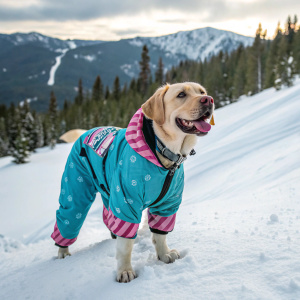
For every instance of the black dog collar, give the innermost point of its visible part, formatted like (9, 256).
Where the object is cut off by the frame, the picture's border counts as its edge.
(177, 159)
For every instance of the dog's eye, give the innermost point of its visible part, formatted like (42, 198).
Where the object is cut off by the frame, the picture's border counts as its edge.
(202, 92)
(181, 95)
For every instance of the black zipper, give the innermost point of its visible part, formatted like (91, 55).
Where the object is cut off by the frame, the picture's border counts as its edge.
(83, 154)
(104, 175)
(102, 186)
(104, 189)
(165, 187)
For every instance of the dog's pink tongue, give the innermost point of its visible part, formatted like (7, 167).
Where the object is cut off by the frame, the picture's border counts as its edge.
(202, 126)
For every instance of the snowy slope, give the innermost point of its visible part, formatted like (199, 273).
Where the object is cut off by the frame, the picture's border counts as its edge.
(237, 228)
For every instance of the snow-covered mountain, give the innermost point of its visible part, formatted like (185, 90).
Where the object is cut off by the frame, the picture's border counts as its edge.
(41, 40)
(197, 44)
(237, 228)
(32, 65)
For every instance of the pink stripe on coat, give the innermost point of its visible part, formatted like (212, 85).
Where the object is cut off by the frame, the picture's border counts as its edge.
(117, 226)
(161, 223)
(59, 239)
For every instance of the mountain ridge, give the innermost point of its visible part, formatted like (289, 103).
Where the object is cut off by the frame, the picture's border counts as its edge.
(27, 61)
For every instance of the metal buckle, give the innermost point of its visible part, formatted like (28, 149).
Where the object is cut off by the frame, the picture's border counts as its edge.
(180, 160)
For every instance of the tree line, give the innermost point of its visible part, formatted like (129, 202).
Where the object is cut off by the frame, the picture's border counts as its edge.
(226, 76)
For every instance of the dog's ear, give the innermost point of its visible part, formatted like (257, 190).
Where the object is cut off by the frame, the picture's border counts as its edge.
(154, 108)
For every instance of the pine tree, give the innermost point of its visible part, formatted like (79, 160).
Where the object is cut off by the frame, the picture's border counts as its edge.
(79, 97)
(283, 71)
(46, 134)
(272, 58)
(39, 132)
(239, 80)
(290, 33)
(254, 73)
(31, 131)
(296, 48)
(159, 74)
(144, 70)
(3, 138)
(125, 89)
(97, 93)
(107, 92)
(132, 86)
(53, 120)
(66, 105)
(13, 122)
(18, 137)
(117, 89)
(28, 124)
(20, 151)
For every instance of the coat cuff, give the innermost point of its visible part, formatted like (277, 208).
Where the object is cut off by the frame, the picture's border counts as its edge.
(119, 227)
(59, 240)
(162, 225)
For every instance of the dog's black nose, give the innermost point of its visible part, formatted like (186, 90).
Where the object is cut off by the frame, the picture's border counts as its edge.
(207, 100)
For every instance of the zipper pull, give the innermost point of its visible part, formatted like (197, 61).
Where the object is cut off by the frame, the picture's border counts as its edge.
(172, 171)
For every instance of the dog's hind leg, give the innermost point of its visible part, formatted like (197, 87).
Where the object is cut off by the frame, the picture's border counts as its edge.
(162, 250)
(125, 272)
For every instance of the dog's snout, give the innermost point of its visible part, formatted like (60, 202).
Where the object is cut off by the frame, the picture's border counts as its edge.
(207, 100)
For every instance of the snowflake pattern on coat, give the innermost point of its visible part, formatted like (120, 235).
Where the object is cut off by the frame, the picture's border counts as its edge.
(133, 159)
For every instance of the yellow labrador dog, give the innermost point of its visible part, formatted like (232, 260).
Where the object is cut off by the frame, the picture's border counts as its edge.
(142, 170)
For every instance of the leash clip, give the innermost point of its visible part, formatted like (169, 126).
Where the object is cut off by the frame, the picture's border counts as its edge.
(180, 160)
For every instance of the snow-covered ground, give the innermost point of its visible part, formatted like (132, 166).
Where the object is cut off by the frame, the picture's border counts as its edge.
(238, 228)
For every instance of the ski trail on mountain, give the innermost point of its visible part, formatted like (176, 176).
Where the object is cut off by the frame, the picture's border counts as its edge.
(54, 68)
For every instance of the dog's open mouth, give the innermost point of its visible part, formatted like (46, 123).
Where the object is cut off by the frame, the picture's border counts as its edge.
(199, 127)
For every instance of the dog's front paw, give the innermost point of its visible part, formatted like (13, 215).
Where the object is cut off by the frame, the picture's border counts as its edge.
(63, 252)
(169, 257)
(126, 276)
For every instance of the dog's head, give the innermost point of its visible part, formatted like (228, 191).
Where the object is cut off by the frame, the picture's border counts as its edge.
(181, 108)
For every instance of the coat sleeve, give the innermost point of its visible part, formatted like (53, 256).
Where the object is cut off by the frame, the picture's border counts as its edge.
(125, 204)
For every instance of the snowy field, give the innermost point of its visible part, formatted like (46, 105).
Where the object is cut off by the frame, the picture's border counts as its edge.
(238, 228)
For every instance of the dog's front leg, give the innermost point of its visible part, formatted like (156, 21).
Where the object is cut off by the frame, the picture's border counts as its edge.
(162, 250)
(125, 272)
(63, 252)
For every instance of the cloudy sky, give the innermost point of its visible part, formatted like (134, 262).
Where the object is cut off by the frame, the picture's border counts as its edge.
(116, 19)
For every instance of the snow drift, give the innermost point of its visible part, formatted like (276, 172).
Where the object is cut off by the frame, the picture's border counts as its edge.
(237, 228)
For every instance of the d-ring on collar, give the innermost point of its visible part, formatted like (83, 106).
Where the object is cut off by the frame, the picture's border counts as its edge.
(177, 159)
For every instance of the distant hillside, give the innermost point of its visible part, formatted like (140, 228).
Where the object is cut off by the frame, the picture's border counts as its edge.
(31, 65)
